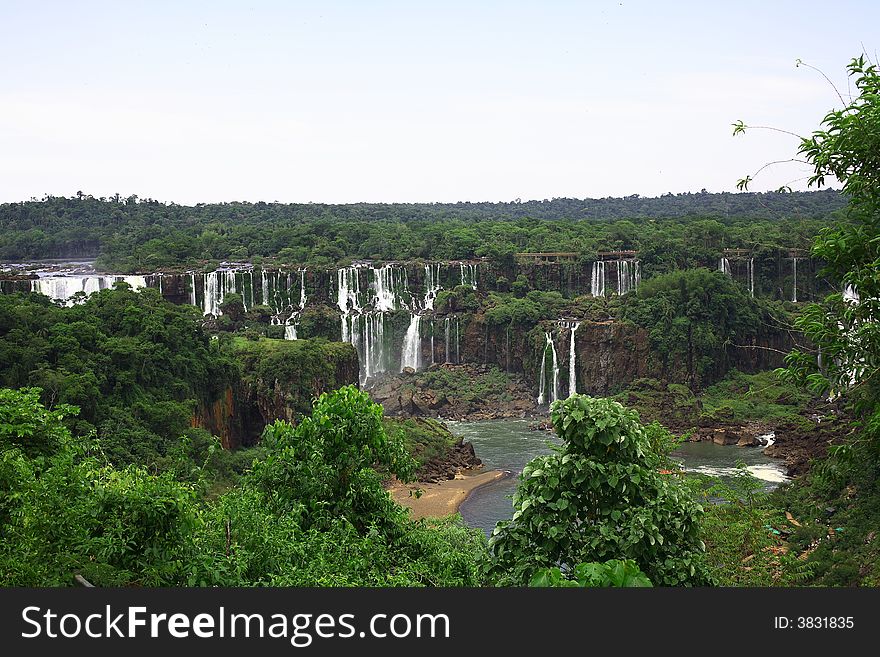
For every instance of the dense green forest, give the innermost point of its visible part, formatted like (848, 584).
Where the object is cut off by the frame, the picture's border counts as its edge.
(131, 235)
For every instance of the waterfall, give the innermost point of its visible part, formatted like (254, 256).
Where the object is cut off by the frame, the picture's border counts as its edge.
(468, 274)
(62, 288)
(627, 276)
(752, 277)
(411, 355)
(542, 387)
(192, 290)
(384, 288)
(794, 283)
(446, 332)
(302, 289)
(213, 294)
(264, 287)
(348, 287)
(724, 267)
(572, 370)
(457, 355)
(292, 320)
(597, 279)
(432, 341)
(432, 284)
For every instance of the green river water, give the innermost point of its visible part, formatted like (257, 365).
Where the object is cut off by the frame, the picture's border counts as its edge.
(510, 445)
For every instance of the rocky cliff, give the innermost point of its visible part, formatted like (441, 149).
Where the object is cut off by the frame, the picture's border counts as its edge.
(277, 381)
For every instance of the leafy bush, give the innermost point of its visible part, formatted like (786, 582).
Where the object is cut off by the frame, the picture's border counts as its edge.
(599, 497)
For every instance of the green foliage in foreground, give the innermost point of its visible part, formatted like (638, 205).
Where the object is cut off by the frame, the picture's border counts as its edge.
(614, 572)
(599, 497)
(312, 512)
(838, 506)
(743, 533)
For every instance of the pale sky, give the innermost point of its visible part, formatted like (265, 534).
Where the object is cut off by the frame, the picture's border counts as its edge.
(411, 101)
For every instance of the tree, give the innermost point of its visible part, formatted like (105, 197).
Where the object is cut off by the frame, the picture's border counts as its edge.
(599, 497)
(844, 327)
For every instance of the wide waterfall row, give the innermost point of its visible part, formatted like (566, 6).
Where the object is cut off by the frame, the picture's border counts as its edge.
(283, 292)
(63, 288)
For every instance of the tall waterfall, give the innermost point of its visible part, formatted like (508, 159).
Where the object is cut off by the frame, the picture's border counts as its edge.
(597, 279)
(724, 267)
(412, 345)
(572, 359)
(751, 277)
(468, 274)
(192, 290)
(794, 262)
(542, 386)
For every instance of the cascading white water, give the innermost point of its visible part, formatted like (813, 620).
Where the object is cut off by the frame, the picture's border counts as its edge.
(348, 289)
(62, 288)
(292, 321)
(751, 277)
(432, 341)
(794, 262)
(542, 385)
(468, 274)
(384, 288)
(213, 294)
(629, 276)
(572, 359)
(457, 353)
(432, 284)
(264, 287)
(192, 290)
(302, 289)
(446, 331)
(597, 279)
(412, 351)
(724, 267)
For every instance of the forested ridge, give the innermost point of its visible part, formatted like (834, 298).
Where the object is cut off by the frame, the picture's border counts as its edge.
(131, 234)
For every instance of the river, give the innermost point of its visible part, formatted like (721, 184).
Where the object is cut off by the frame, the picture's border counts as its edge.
(510, 445)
